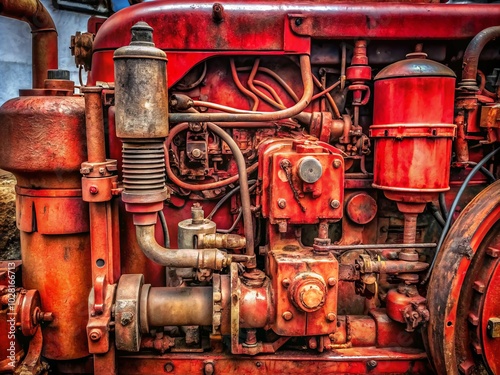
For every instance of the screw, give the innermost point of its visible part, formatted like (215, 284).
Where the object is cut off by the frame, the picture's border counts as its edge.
(285, 282)
(102, 170)
(95, 335)
(169, 367)
(337, 163)
(332, 281)
(335, 204)
(330, 317)
(371, 364)
(298, 21)
(287, 315)
(281, 203)
(258, 364)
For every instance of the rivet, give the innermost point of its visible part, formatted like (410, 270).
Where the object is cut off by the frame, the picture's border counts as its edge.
(281, 203)
(335, 204)
(287, 315)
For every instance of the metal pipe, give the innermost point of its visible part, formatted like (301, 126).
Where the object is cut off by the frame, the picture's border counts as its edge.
(180, 258)
(305, 69)
(180, 306)
(94, 124)
(474, 49)
(43, 29)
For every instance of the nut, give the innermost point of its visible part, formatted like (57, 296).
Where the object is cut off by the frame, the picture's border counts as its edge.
(95, 335)
(337, 163)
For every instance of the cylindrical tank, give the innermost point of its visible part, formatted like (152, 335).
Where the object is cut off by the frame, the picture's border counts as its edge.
(413, 128)
(141, 97)
(43, 135)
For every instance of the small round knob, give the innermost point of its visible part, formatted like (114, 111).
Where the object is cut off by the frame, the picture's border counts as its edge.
(310, 169)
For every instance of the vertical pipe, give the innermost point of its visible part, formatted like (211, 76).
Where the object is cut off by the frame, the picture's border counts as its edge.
(43, 29)
(94, 122)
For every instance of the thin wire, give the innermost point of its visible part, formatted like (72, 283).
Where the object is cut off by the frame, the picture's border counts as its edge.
(452, 209)
(164, 227)
(229, 195)
(236, 221)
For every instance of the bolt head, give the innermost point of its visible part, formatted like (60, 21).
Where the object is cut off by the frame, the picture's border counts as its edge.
(337, 163)
(281, 203)
(287, 315)
(169, 367)
(334, 204)
(285, 282)
(330, 316)
(93, 190)
(332, 281)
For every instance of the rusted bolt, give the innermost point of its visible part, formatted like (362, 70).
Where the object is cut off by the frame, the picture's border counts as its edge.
(169, 367)
(44, 316)
(258, 364)
(196, 153)
(332, 281)
(126, 318)
(209, 368)
(330, 317)
(285, 282)
(102, 170)
(95, 335)
(337, 163)
(218, 12)
(371, 364)
(287, 315)
(93, 190)
(281, 203)
(335, 204)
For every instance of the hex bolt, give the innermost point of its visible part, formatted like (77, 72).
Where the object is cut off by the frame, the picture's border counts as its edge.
(281, 203)
(330, 317)
(371, 364)
(332, 281)
(93, 190)
(285, 282)
(287, 315)
(337, 163)
(95, 335)
(102, 170)
(335, 204)
(169, 367)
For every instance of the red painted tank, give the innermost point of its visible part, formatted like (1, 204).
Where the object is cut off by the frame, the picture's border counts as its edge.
(413, 127)
(44, 135)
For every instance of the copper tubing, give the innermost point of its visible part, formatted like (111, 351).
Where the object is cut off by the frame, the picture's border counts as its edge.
(242, 177)
(198, 187)
(276, 77)
(327, 90)
(242, 88)
(474, 49)
(328, 97)
(44, 39)
(213, 259)
(179, 306)
(260, 94)
(94, 123)
(305, 68)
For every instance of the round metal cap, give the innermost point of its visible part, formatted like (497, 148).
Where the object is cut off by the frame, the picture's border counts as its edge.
(309, 169)
(141, 45)
(415, 65)
(58, 74)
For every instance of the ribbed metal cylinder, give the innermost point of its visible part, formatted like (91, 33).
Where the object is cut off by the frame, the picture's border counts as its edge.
(143, 166)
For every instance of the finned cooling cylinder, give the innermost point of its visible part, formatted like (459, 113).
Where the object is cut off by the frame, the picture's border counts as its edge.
(141, 96)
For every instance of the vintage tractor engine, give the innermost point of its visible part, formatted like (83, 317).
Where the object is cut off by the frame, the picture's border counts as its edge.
(305, 191)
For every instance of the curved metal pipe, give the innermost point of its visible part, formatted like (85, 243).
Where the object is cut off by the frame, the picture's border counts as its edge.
(44, 40)
(305, 69)
(474, 49)
(182, 258)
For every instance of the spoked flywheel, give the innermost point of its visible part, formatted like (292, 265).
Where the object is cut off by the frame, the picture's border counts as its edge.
(464, 291)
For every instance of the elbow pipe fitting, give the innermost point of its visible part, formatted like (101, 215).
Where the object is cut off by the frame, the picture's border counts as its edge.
(182, 258)
(44, 40)
(471, 56)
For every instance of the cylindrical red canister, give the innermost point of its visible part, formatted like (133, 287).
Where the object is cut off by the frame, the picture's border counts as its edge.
(413, 128)
(43, 135)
